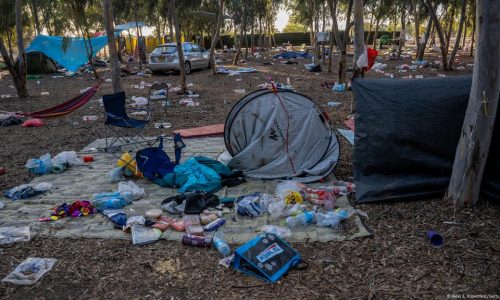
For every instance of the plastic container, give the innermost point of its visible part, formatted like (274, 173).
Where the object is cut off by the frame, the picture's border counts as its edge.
(221, 245)
(304, 218)
(331, 218)
(212, 226)
(110, 201)
(198, 241)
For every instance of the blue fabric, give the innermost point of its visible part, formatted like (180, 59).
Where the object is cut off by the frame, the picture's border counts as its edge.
(75, 54)
(114, 105)
(154, 163)
(193, 176)
(292, 54)
(348, 134)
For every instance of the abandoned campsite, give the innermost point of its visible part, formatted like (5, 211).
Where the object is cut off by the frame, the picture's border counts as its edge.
(237, 149)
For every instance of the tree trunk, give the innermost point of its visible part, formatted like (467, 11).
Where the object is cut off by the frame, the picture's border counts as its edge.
(113, 53)
(216, 35)
(459, 32)
(475, 139)
(34, 12)
(343, 52)
(335, 32)
(251, 38)
(171, 27)
(158, 32)
(323, 30)
(180, 51)
(22, 92)
(139, 48)
(19, 81)
(374, 46)
(9, 44)
(421, 49)
(450, 27)
(359, 34)
(416, 21)
(369, 29)
(439, 29)
(402, 33)
(240, 40)
(473, 34)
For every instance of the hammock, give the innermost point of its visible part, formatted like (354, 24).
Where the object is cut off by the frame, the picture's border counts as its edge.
(66, 107)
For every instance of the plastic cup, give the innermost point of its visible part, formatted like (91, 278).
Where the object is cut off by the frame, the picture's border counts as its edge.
(435, 238)
(88, 159)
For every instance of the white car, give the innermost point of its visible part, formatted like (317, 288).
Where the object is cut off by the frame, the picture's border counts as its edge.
(165, 58)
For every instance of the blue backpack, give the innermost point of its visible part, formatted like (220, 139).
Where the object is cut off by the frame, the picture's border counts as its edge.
(154, 163)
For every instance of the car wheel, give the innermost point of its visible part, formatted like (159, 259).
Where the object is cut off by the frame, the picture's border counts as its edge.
(187, 67)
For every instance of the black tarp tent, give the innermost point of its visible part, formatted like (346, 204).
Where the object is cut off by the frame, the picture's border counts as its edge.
(38, 63)
(407, 132)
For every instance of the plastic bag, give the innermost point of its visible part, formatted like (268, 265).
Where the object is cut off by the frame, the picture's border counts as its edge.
(33, 123)
(40, 166)
(67, 157)
(249, 205)
(30, 270)
(282, 232)
(144, 235)
(116, 175)
(134, 220)
(363, 59)
(291, 192)
(43, 186)
(339, 87)
(331, 218)
(9, 235)
(131, 187)
(266, 200)
(139, 101)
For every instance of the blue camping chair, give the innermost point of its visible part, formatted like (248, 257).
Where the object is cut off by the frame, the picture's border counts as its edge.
(117, 120)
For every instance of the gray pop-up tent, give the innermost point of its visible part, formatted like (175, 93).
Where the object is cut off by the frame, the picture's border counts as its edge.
(280, 135)
(38, 63)
(407, 132)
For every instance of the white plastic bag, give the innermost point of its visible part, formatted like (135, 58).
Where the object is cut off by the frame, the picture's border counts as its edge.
(40, 166)
(67, 157)
(30, 270)
(131, 187)
(42, 186)
(10, 235)
(116, 175)
(282, 232)
(363, 59)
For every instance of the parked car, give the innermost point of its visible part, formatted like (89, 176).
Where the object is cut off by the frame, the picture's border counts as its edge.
(166, 58)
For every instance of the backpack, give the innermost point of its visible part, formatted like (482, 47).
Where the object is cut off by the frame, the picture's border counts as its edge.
(154, 163)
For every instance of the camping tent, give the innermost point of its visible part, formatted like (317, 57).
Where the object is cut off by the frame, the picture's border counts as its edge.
(68, 52)
(407, 132)
(280, 135)
(38, 63)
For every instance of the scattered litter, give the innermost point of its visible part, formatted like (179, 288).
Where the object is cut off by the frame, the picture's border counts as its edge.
(68, 158)
(89, 118)
(239, 91)
(435, 239)
(139, 101)
(188, 102)
(339, 87)
(331, 218)
(10, 121)
(44, 93)
(5, 96)
(281, 232)
(85, 89)
(40, 166)
(33, 123)
(227, 261)
(25, 191)
(30, 270)
(348, 134)
(10, 235)
(130, 187)
(76, 209)
(419, 76)
(333, 104)
(163, 125)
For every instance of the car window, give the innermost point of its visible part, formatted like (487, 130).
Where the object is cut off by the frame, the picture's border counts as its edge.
(187, 48)
(165, 50)
(196, 48)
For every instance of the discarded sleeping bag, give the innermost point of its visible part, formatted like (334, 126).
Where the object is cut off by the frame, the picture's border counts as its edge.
(194, 175)
(266, 257)
(154, 163)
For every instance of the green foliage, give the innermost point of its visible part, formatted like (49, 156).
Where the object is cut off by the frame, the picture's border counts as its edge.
(294, 27)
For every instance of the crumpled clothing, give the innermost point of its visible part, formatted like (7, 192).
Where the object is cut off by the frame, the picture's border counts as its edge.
(26, 191)
(190, 203)
(12, 120)
(75, 210)
(249, 205)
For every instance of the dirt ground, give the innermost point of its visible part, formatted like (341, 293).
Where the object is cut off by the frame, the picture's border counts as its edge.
(395, 263)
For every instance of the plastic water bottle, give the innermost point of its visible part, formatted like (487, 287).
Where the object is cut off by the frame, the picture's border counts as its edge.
(110, 203)
(332, 218)
(301, 219)
(221, 245)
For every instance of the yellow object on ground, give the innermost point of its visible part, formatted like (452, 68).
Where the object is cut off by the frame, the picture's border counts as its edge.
(293, 197)
(127, 160)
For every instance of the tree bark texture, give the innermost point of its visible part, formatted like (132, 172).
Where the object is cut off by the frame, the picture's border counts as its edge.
(113, 52)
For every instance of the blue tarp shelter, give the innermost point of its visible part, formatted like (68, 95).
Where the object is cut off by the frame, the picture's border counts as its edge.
(73, 56)
(129, 25)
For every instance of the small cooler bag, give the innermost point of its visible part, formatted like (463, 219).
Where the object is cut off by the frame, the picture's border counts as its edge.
(266, 257)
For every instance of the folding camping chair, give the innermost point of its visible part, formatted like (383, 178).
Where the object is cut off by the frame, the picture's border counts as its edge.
(155, 93)
(117, 119)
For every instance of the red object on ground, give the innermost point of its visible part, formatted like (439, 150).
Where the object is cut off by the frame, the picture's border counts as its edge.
(88, 159)
(210, 130)
(2, 171)
(372, 55)
(33, 123)
(349, 123)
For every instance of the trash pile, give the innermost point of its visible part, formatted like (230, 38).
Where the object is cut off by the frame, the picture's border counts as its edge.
(46, 164)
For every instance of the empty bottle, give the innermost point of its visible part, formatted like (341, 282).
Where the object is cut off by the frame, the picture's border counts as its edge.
(304, 218)
(111, 200)
(221, 245)
(194, 240)
(212, 226)
(331, 218)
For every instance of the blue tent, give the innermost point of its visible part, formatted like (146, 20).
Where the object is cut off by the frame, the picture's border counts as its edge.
(73, 56)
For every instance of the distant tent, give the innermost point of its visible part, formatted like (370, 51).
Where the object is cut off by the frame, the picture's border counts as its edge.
(67, 52)
(38, 63)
